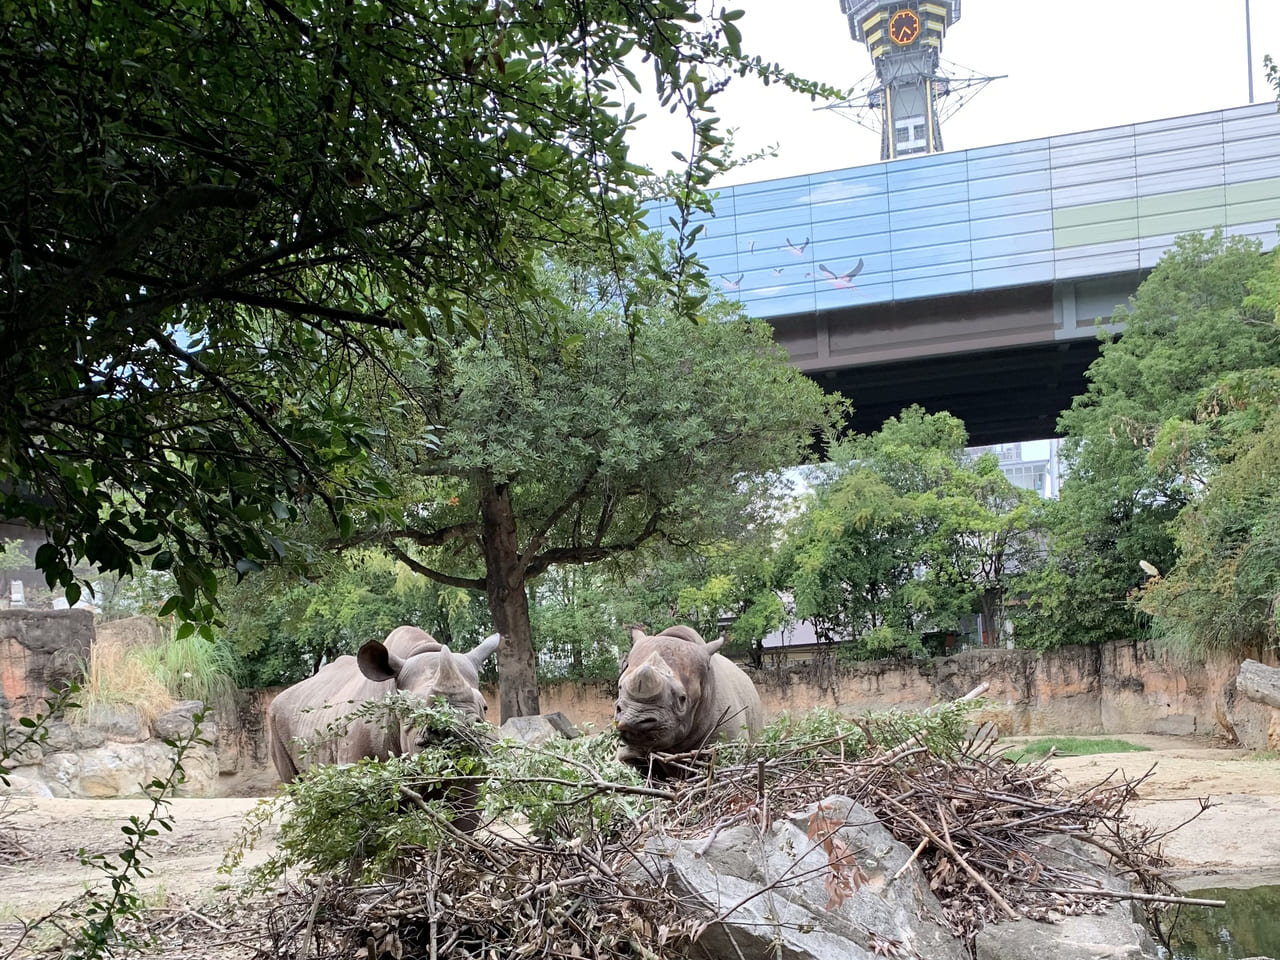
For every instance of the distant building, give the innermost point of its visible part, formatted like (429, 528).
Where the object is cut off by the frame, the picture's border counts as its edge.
(1031, 466)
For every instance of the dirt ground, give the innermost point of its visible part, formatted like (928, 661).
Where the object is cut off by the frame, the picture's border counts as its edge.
(1236, 840)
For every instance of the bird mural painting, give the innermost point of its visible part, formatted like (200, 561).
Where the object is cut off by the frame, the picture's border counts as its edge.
(732, 284)
(796, 248)
(842, 281)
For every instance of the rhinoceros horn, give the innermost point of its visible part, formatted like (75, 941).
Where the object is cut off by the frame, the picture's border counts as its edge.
(448, 679)
(648, 681)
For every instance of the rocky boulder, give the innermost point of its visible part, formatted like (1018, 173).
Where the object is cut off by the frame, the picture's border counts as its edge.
(777, 895)
(831, 883)
(125, 769)
(179, 721)
(538, 730)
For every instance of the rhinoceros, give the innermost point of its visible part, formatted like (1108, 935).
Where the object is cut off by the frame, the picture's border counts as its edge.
(677, 694)
(410, 660)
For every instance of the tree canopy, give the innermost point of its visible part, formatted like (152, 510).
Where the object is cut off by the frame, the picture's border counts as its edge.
(1223, 590)
(584, 445)
(905, 535)
(213, 213)
(1190, 323)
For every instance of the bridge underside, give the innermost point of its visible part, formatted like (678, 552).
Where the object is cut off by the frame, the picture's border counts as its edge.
(1001, 395)
(1006, 361)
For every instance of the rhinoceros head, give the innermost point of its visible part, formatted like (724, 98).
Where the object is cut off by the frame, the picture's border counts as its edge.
(660, 692)
(433, 672)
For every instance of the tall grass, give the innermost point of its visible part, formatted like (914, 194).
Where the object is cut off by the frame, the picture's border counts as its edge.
(117, 677)
(193, 668)
(151, 678)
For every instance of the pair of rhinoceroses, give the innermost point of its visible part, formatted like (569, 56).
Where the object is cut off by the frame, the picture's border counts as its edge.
(675, 694)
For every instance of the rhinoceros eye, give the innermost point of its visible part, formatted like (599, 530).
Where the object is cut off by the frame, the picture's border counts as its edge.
(681, 700)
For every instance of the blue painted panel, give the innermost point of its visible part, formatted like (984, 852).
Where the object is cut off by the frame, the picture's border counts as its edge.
(1012, 205)
(1243, 171)
(934, 256)
(986, 185)
(1012, 276)
(860, 230)
(1103, 173)
(1040, 240)
(1197, 165)
(1154, 184)
(1099, 259)
(1011, 225)
(937, 216)
(937, 285)
(990, 217)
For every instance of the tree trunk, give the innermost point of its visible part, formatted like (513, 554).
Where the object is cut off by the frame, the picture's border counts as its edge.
(993, 614)
(508, 603)
(1259, 683)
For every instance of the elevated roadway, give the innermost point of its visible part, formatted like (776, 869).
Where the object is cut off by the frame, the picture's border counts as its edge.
(976, 281)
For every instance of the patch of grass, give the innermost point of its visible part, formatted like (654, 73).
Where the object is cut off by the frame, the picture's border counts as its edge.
(117, 677)
(1071, 747)
(150, 678)
(192, 668)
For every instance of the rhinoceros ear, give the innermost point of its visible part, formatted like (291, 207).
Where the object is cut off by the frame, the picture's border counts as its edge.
(713, 646)
(637, 634)
(377, 662)
(482, 651)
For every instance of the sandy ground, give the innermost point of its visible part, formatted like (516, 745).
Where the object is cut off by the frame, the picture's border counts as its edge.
(1236, 840)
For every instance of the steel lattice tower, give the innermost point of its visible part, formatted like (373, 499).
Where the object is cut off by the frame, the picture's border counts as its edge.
(904, 38)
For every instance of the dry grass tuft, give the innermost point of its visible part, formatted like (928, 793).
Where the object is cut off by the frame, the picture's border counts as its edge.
(119, 676)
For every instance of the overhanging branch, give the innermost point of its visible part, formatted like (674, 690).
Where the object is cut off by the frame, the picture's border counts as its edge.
(593, 553)
(466, 583)
(172, 206)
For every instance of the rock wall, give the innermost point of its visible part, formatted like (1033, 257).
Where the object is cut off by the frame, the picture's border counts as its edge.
(39, 648)
(111, 750)
(1115, 688)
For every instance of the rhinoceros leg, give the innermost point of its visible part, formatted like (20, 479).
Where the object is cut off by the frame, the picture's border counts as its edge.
(281, 756)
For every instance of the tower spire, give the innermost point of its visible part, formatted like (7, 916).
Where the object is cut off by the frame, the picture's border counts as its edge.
(904, 38)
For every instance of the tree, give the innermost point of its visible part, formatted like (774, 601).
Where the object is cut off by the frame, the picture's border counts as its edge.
(907, 535)
(849, 560)
(983, 535)
(586, 444)
(212, 213)
(1223, 591)
(1187, 325)
(853, 564)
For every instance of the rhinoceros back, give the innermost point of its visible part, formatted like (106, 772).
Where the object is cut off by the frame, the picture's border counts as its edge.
(736, 699)
(306, 710)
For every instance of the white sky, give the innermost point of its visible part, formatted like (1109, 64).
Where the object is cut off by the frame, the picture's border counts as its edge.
(1097, 63)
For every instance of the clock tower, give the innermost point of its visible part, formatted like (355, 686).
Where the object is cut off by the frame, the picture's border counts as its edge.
(905, 41)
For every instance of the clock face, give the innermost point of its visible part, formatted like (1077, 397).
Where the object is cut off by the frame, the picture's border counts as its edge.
(904, 27)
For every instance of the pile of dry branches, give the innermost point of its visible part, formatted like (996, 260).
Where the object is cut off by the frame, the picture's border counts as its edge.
(989, 835)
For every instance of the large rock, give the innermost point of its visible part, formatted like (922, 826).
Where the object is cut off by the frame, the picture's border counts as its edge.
(776, 891)
(1259, 683)
(24, 787)
(63, 737)
(1116, 932)
(1112, 935)
(179, 721)
(120, 722)
(38, 650)
(538, 730)
(126, 769)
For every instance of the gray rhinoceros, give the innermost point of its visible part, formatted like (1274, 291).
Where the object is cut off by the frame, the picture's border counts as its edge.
(410, 660)
(677, 694)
